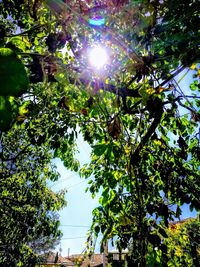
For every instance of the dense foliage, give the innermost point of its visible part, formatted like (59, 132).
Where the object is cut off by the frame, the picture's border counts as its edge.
(183, 243)
(142, 126)
(29, 222)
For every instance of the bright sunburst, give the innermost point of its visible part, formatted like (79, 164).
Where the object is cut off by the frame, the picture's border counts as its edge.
(98, 57)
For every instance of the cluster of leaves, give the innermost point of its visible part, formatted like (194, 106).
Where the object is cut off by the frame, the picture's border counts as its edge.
(182, 245)
(142, 127)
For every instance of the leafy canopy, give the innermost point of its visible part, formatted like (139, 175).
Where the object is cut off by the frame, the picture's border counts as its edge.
(143, 127)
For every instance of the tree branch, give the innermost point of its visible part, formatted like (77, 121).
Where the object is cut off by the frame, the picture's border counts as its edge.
(123, 91)
(26, 32)
(188, 108)
(171, 77)
(135, 155)
(16, 156)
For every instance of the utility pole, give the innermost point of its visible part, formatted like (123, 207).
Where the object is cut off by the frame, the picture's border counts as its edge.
(105, 255)
(60, 249)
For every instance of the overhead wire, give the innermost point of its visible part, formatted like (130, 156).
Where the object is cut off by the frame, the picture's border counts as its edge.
(63, 180)
(76, 226)
(78, 237)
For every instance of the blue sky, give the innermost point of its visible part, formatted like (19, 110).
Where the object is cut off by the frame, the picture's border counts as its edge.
(76, 217)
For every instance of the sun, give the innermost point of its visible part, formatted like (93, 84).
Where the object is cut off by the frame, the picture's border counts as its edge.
(98, 57)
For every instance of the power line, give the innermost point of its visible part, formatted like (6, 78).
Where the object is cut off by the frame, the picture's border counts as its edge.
(69, 187)
(69, 225)
(63, 180)
(78, 237)
(77, 183)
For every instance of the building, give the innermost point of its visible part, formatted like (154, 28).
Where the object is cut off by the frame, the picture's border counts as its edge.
(50, 258)
(100, 260)
(97, 260)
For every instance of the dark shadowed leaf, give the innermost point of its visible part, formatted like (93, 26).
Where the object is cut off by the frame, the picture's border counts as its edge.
(12, 73)
(5, 114)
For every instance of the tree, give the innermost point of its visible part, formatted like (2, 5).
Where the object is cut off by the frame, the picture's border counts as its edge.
(142, 127)
(28, 221)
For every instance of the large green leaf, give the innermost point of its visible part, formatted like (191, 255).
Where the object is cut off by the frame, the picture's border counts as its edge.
(100, 149)
(12, 73)
(5, 114)
(8, 112)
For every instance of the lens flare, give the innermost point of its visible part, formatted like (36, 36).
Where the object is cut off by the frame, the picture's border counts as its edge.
(98, 57)
(97, 21)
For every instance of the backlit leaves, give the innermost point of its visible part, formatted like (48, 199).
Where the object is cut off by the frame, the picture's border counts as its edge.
(142, 125)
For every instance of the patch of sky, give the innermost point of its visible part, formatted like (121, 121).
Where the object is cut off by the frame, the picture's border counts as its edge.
(182, 83)
(186, 211)
(76, 217)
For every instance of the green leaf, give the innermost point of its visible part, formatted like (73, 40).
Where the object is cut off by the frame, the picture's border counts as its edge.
(194, 85)
(191, 207)
(97, 229)
(154, 239)
(99, 149)
(12, 73)
(5, 114)
(162, 232)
